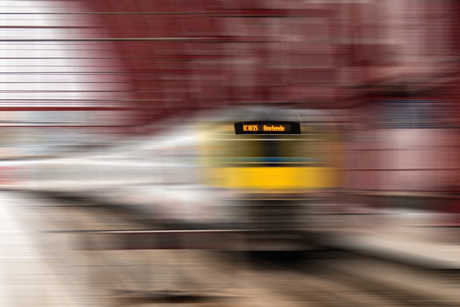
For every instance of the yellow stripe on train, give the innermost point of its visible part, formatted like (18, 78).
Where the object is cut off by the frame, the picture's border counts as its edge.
(269, 178)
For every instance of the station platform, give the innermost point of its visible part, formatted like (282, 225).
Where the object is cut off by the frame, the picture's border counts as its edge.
(28, 276)
(429, 255)
(412, 237)
(395, 237)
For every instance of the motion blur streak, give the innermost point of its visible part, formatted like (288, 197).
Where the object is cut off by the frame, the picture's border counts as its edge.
(124, 178)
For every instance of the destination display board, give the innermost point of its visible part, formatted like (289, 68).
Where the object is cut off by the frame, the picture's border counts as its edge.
(267, 127)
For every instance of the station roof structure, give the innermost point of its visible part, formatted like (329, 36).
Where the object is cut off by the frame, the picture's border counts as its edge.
(183, 56)
(134, 62)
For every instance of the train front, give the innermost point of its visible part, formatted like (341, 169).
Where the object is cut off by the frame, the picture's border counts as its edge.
(269, 165)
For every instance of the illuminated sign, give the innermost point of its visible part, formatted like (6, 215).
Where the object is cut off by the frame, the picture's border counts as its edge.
(268, 127)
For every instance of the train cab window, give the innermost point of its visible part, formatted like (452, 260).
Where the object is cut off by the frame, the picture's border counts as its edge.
(272, 150)
(271, 147)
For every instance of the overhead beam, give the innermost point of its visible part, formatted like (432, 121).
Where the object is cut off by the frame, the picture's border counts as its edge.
(215, 39)
(212, 13)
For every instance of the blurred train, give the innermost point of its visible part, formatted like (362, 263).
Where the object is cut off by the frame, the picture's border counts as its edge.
(270, 163)
(217, 169)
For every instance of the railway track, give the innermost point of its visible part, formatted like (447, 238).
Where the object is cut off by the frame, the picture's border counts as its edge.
(201, 278)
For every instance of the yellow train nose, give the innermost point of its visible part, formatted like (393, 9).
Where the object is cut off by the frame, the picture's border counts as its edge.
(275, 178)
